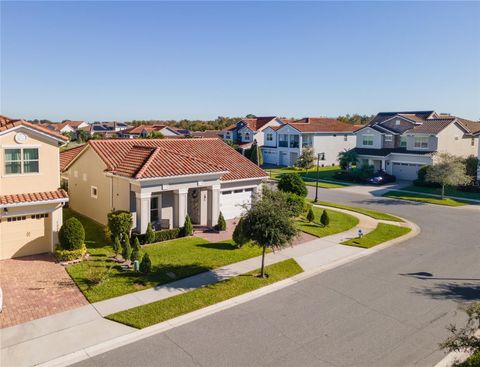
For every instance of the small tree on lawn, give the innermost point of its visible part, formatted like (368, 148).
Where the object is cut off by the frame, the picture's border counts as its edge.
(120, 223)
(310, 215)
(347, 158)
(221, 224)
(135, 255)
(324, 219)
(146, 264)
(187, 227)
(256, 155)
(292, 182)
(306, 159)
(117, 246)
(268, 222)
(127, 249)
(239, 236)
(149, 234)
(136, 244)
(448, 170)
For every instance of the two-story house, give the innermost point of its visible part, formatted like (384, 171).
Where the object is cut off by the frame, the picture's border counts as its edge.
(282, 145)
(30, 199)
(402, 142)
(248, 130)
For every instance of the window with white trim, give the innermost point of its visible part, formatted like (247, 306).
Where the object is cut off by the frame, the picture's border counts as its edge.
(269, 137)
(403, 142)
(367, 140)
(93, 192)
(388, 137)
(154, 217)
(421, 142)
(21, 161)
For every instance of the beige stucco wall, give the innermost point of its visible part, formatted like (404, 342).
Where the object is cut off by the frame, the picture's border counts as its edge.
(87, 171)
(462, 147)
(48, 178)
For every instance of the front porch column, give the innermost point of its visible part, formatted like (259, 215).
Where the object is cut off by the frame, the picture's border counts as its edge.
(383, 164)
(213, 205)
(143, 210)
(179, 207)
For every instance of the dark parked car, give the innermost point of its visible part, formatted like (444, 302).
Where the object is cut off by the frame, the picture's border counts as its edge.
(380, 178)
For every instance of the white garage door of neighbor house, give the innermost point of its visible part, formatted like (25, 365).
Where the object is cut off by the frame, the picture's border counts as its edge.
(270, 157)
(232, 202)
(25, 235)
(405, 171)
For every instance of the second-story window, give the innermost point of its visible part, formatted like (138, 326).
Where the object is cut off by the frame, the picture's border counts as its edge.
(403, 142)
(388, 137)
(269, 137)
(294, 141)
(283, 140)
(247, 136)
(367, 140)
(421, 142)
(306, 140)
(21, 160)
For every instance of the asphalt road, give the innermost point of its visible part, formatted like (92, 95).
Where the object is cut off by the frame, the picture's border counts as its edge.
(388, 309)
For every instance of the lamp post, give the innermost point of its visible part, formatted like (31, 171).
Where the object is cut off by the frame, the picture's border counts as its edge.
(318, 165)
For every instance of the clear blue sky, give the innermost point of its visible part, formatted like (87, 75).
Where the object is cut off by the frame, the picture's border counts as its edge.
(149, 60)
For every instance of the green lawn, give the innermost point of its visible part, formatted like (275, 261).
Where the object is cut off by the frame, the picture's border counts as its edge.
(472, 361)
(324, 173)
(371, 213)
(423, 198)
(339, 222)
(181, 257)
(449, 191)
(384, 232)
(153, 313)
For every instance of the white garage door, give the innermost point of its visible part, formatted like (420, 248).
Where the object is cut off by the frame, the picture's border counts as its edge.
(269, 156)
(232, 202)
(405, 171)
(25, 235)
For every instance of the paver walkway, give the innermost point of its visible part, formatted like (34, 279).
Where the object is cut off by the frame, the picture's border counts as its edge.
(34, 287)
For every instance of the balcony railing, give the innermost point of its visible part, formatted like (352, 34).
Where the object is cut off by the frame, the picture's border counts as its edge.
(283, 144)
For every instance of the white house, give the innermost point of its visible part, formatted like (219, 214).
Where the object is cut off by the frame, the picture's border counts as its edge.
(160, 180)
(402, 142)
(282, 145)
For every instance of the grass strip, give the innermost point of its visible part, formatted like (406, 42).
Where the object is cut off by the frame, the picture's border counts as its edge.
(368, 212)
(424, 198)
(153, 313)
(449, 191)
(383, 233)
(339, 222)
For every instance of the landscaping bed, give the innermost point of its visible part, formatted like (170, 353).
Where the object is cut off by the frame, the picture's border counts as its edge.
(383, 233)
(424, 198)
(368, 212)
(100, 277)
(153, 313)
(339, 222)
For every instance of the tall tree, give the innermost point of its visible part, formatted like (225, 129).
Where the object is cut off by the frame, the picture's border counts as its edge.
(256, 155)
(269, 222)
(306, 159)
(448, 170)
(347, 158)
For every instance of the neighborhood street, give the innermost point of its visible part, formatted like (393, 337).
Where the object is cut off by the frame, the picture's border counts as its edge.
(387, 309)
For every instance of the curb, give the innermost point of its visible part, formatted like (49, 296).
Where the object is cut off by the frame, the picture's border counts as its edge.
(138, 335)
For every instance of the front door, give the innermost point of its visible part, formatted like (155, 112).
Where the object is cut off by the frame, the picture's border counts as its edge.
(194, 205)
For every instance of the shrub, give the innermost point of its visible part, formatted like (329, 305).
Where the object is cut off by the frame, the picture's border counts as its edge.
(127, 249)
(222, 224)
(293, 183)
(310, 215)
(71, 235)
(146, 264)
(187, 227)
(107, 234)
(136, 243)
(296, 204)
(420, 181)
(324, 219)
(117, 246)
(149, 234)
(96, 275)
(135, 255)
(69, 255)
(471, 165)
(239, 236)
(167, 234)
(120, 222)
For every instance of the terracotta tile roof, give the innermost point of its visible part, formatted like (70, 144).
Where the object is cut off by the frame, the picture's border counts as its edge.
(206, 134)
(257, 123)
(320, 124)
(33, 197)
(7, 123)
(472, 126)
(69, 155)
(174, 157)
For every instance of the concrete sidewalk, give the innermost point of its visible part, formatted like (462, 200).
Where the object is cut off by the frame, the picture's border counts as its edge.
(52, 337)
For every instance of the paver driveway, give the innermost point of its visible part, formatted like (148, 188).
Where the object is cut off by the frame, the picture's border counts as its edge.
(34, 287)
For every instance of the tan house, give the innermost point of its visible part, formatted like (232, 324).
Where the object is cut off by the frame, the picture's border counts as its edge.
(402, 142)
(30, 199)
(160, 180)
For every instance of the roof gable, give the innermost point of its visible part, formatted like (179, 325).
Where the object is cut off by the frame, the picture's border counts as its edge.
(7, 124)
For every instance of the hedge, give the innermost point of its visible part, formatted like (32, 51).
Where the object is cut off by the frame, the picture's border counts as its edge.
(69, 255)
(160, 236)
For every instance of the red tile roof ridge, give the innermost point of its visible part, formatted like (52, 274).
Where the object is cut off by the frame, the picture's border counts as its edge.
(33, 197)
